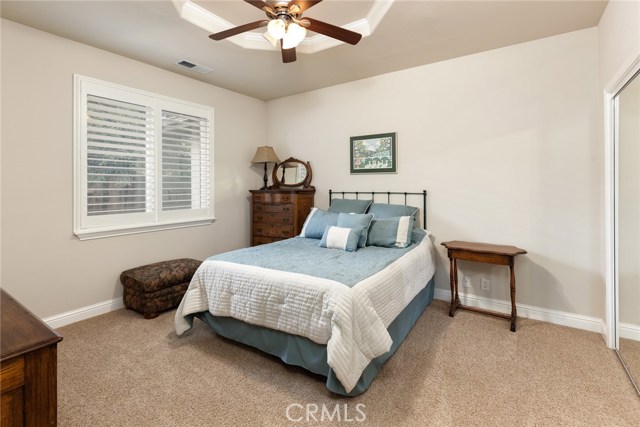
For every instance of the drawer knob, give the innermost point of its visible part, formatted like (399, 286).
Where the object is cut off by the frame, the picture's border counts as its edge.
(285, 209)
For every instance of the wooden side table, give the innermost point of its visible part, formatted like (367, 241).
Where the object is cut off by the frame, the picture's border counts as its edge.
(487, 253)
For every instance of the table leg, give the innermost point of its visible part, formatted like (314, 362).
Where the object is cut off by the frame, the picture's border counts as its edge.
(455, 269)
(452, 280)
(514, 314)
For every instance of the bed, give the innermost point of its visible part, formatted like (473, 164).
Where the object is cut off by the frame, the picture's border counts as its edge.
(337, 313)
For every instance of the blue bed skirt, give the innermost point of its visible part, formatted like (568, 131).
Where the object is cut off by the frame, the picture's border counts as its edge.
(300, 351)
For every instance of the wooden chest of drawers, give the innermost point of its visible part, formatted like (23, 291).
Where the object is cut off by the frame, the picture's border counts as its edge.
(278, 214)
(28, 367)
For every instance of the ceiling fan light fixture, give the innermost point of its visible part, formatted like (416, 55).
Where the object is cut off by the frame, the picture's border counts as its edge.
(277, 28)
(294, 35)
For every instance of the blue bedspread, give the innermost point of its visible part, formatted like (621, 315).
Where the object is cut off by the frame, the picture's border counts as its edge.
(304, 256)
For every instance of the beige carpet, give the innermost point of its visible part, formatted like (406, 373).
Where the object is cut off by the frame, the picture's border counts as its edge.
(122, 370)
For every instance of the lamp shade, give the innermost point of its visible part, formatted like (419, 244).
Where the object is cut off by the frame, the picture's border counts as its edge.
(295, 34)
(265, 154)
(277, 28)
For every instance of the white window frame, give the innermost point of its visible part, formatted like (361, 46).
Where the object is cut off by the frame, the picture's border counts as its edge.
(92, 227)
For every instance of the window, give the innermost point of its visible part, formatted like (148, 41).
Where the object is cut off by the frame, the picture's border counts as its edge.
(143, 162)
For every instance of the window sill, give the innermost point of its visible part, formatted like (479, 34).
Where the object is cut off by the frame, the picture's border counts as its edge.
(122, 231)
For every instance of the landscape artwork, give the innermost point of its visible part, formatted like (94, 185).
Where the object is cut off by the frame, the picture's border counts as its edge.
(373, 153)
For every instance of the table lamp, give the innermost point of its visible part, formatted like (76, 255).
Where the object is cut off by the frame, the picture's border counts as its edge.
(265, 155)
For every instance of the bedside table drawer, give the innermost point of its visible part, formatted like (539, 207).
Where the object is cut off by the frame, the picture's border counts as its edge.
(272, 230)
(272, 198)
(258, 207)
(273, 217)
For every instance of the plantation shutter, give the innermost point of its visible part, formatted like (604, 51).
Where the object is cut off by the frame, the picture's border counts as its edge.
(142, 161)
(186, 168)
(120, 157)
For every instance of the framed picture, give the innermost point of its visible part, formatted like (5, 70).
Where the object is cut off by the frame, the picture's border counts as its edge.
(374, 153)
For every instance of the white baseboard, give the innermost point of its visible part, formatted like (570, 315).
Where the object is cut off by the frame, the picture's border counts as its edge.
(588, 323)
(84, 313)
(629, 331)
(578, 321)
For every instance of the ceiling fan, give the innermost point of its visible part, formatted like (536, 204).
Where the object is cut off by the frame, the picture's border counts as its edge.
(286, 25)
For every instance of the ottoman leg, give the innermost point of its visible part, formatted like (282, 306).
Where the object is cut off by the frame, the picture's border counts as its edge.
(151, 316)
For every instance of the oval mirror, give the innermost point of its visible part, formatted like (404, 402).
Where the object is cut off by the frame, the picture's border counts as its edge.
(292, 173)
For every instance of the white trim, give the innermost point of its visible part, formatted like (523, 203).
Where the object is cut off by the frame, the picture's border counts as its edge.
(124, 231)
(83, 313)
(629, 331)
(626, 71)
(578, 321)
(571, 320)
(611, 301)
(211, 22)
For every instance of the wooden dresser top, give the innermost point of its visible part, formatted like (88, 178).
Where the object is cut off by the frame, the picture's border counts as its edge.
(20, 330)
(484, 248)
(284, 190)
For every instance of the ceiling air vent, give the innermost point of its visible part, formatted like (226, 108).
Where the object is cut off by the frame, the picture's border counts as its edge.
(195, 67)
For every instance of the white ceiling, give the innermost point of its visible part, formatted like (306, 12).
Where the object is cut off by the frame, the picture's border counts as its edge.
(412, 33)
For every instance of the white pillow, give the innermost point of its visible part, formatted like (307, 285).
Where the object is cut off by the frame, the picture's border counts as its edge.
(340, 238)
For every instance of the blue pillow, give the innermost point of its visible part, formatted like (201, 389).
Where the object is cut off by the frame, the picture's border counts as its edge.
(391, 232)
(316, 222)
(349, 206)
(383, 210)
(340, 238)
(361, 221)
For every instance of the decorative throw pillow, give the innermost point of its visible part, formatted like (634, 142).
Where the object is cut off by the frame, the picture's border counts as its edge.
(384, 210)
(335, 237)
(316, 222)
(361, 221)
(349, 206)
(391, 232)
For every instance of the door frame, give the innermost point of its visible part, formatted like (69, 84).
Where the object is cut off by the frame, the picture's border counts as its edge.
(624, 75)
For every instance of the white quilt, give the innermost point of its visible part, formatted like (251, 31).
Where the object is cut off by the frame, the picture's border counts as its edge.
(352, 322)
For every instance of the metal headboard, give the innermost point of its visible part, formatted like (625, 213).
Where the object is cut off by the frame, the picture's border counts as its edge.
(373, 194)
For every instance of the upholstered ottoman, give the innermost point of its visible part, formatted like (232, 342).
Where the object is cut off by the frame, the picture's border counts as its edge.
(154, 288)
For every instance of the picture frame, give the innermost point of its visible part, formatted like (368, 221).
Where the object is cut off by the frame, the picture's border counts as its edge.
(373, 153)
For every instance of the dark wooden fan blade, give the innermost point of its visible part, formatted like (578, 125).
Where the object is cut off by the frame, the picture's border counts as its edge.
(288, 55)
(302, 5)
(332, 31)
(237, 30)
(257, 3)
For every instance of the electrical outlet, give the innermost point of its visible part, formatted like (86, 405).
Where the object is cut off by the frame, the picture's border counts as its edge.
(467, 282)
(484, 284)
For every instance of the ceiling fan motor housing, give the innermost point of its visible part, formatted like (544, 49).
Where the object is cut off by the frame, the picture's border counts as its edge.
(281, 9)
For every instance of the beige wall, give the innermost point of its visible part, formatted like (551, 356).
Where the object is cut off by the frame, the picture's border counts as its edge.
(618, 37)
(507, 144)
(44, 265)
